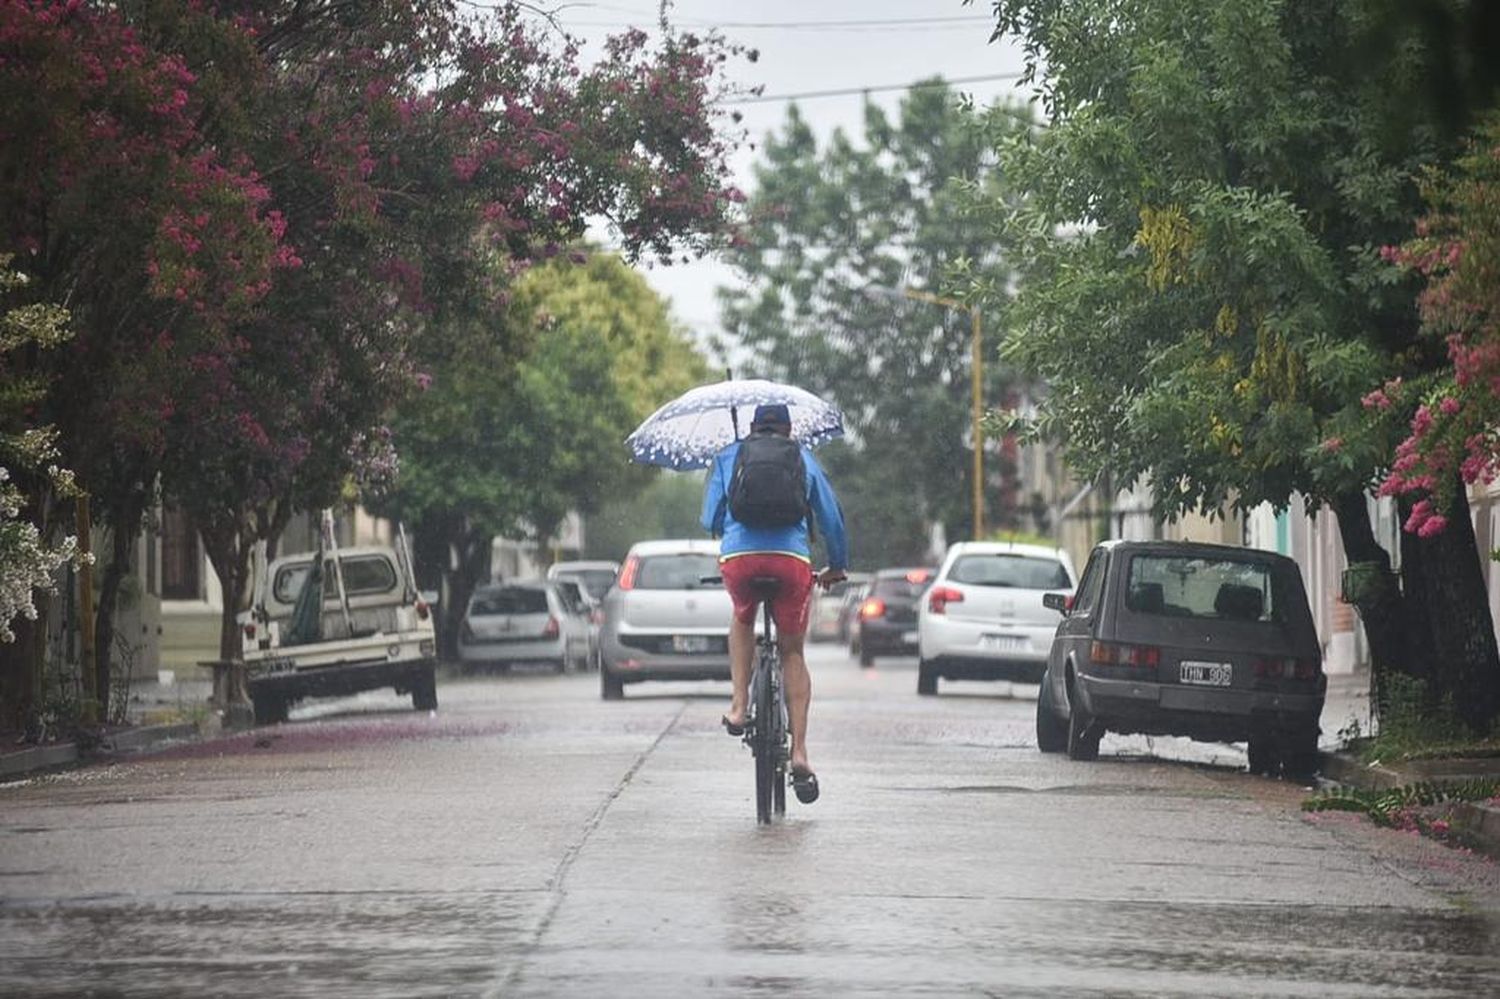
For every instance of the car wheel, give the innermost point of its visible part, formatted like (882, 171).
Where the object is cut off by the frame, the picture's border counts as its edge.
(1300, 759)
(1083, 732)
(269, 708)
(926, 679)
(1264, 759)
(611, 687)
(866, 659)
(1051, 732)
(424, 690)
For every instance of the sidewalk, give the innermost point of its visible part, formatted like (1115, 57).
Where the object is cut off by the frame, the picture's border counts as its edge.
(157, 714)
(1477, 822)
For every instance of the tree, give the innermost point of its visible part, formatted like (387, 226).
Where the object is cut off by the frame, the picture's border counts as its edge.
(502, 445)
(254, 210)
(1204, 293)
(835, 234)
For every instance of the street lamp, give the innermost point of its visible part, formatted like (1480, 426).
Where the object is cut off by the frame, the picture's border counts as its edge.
(976, 371)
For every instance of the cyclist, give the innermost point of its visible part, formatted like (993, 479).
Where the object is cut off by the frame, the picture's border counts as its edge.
(784, 552)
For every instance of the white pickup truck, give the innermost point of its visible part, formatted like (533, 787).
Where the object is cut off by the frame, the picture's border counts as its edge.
(374, 630)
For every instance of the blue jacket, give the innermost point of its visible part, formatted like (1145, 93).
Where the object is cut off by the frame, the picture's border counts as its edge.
(737, 539)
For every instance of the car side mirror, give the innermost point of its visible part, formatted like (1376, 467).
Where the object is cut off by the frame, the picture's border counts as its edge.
(1060, 602)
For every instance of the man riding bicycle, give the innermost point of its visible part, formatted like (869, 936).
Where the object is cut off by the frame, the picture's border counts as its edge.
(769, 538)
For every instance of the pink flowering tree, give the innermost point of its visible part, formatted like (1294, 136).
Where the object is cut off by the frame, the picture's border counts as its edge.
(1454, 437)
(257, 213)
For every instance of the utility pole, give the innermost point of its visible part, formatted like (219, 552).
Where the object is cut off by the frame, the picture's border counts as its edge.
(976, 391)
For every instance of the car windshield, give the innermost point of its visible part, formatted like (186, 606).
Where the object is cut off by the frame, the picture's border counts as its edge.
(595, 582)
(1222, 589)
(1025, 572)
(363, 574)
(510, 600)
(675, 572)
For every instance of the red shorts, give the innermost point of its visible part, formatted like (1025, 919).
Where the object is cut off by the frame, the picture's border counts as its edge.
(789, 608)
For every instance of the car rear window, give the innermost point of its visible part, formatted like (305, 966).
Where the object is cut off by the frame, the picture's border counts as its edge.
(510, 600)
(899, 588)
(363, 575)
(1220, 589)
(595, 582)
(675, 572)
(1026, 572)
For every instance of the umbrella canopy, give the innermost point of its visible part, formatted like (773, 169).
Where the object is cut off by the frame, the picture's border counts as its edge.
(688, 431)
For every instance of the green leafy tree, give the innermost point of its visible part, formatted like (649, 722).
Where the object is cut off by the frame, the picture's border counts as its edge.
(502, 445)
(1204, 294)
(836, 232)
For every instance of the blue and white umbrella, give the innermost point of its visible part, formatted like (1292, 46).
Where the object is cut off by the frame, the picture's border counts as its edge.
(688, 431)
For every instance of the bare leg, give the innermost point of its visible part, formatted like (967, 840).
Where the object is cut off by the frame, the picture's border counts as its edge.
(741, 649)
(798, 696)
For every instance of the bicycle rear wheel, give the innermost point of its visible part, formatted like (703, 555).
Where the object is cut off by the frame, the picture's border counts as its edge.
(763, 742)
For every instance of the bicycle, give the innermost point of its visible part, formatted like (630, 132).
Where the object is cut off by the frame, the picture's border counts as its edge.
(767, 732)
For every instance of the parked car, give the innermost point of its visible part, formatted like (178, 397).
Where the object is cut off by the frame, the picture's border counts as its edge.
(983, 617)
(584, 609)
(888, 614)
(827, 618)
(526, 621)
(366, 627)
(1178, 638)
(596, 577)
(661, 621)
(854, 596)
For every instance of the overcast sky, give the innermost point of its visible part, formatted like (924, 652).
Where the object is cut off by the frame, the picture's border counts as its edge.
(800, 52)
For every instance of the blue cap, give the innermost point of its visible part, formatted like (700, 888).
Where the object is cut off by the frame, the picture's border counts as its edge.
(771, 414)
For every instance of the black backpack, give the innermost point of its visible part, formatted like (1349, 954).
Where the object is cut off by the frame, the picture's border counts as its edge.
(768, 487)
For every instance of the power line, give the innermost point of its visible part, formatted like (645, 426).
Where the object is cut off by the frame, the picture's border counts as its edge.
(881, 88)
(890, 22)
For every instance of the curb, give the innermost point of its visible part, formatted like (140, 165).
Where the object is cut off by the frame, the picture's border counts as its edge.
(125, 742)
(1477, 821)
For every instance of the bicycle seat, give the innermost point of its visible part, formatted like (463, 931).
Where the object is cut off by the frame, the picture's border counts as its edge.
(765, 587)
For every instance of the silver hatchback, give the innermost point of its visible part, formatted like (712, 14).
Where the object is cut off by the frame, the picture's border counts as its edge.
(661, 621)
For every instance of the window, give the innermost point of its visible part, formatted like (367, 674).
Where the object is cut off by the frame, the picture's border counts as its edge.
(181, 558)
(363, 574)
(1092, 582)
(510, 600)
(1221, 589)
(595, 582)
(675, 572)
(900, 587)
(1020, 571)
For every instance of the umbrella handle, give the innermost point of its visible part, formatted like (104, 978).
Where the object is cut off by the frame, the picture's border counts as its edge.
(734, 412)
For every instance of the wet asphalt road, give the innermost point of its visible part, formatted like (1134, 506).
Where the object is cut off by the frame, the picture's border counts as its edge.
(531, 840)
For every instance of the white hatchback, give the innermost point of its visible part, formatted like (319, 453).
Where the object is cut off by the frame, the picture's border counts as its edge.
(983, 618)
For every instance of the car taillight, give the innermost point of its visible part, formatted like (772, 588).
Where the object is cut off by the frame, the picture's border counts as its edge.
(873, 607)
(941, 596)
(1286, 669)
(919, 575)
(250, 630)
(552, 628)
(627, 573)
(423, 610)
(596, 616)
(1115, 654)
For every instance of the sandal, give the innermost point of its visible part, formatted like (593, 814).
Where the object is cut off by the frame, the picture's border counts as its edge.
(731, 727)
(805, 784)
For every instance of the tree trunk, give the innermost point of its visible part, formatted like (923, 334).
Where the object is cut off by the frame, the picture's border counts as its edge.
(1382, 609)
(21, 673)
(460, 583)
(1457, 655)
(229, 553)
(123, 534)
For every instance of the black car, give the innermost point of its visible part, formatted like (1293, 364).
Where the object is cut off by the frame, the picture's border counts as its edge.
(1179, 638)
(888, 614)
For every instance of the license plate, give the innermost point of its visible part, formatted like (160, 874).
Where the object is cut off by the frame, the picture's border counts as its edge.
(691, 643)
(1004, 643)
(908, 637)
(279, 664)
(1206, 674)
